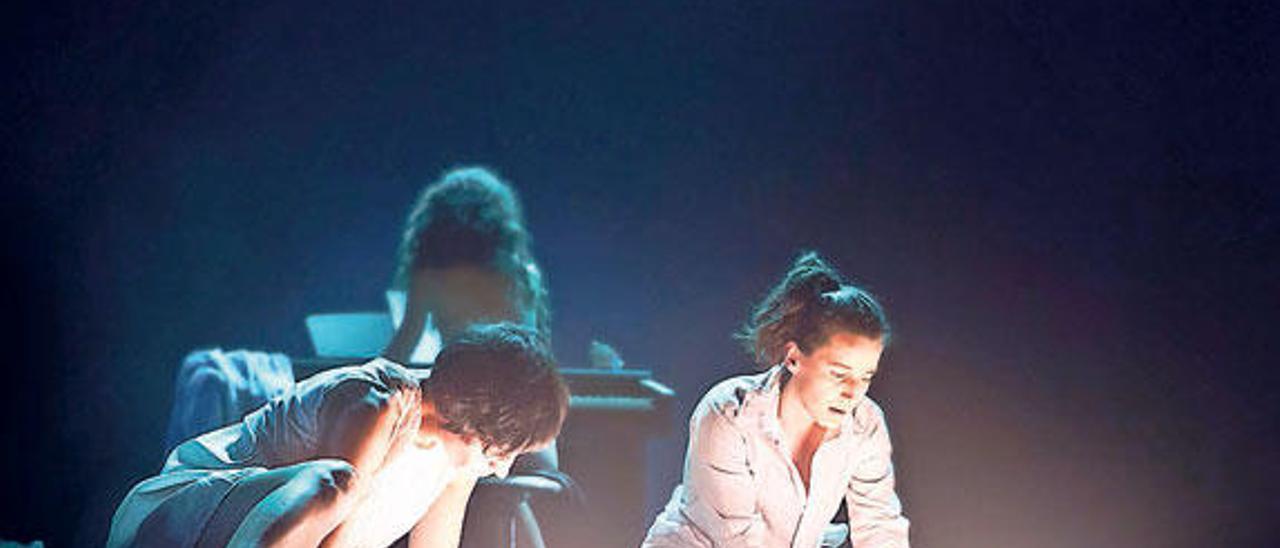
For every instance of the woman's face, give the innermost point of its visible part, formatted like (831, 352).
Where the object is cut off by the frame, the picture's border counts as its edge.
(832, 379)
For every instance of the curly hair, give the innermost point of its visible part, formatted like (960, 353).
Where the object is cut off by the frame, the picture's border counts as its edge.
(812, 301)
(499, 382)
(471, 217)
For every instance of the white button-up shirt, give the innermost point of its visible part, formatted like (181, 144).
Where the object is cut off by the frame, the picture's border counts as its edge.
(742, 489)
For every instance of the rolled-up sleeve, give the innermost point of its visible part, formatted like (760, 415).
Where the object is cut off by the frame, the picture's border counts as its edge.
(721, 489)
(875, 513)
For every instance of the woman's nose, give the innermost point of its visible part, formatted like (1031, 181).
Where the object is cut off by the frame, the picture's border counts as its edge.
(853, 389)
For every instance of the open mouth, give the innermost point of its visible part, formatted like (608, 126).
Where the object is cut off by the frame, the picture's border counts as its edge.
(839, 410)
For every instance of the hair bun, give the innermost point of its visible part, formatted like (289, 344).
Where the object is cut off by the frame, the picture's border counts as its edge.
(814, 274)
(812, 299)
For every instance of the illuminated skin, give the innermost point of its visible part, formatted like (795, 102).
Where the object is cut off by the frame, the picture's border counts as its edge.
(395, 496)
(464, 295)
(448, 300)
(826, 385)
(453, 298)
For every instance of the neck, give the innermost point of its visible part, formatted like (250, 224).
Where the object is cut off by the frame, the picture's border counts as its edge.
(797, 424)
(801, 434)
(432, 431)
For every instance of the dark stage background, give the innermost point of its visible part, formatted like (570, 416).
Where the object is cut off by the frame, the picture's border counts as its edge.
(1069, 208)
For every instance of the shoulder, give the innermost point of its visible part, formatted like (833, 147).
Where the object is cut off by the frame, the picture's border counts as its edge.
(871, 449)
(723, 419)
(730, 397)
(870, 429)
(869, 416)
(377, 374)
(729, 404)
(361, 392)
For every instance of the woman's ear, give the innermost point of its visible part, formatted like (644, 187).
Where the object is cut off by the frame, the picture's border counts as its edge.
(791, 359)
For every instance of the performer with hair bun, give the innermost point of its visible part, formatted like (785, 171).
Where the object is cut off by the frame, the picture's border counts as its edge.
(772, 455)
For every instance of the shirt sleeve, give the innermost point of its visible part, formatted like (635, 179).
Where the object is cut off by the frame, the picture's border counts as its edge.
(720, 486)
(875, 513)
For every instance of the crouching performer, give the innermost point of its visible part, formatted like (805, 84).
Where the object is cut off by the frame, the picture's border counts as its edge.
(357, 456)
(772, 455)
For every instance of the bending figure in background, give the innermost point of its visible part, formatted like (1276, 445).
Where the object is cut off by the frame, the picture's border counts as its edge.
(464, 257)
